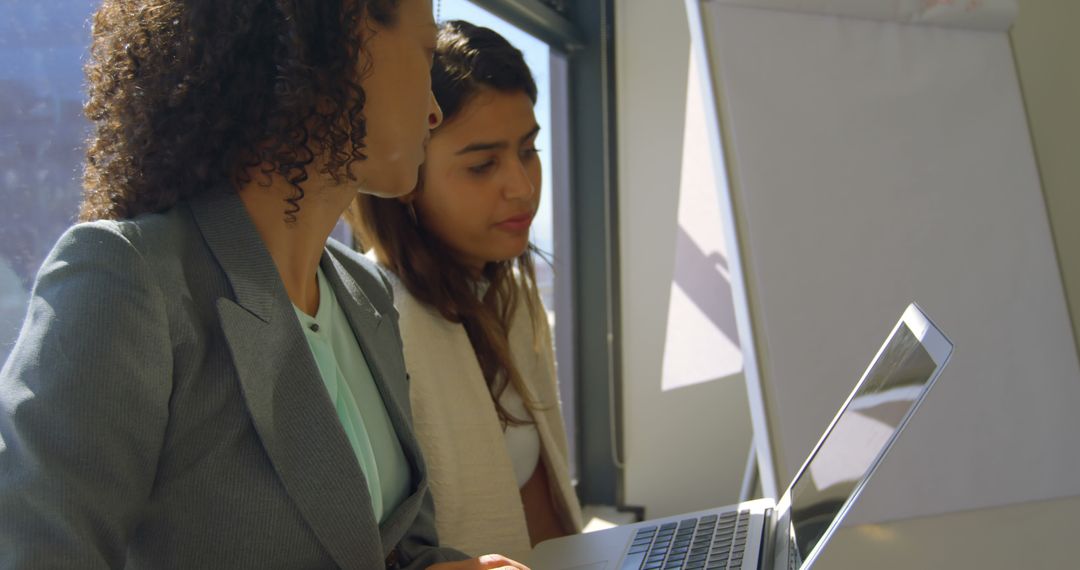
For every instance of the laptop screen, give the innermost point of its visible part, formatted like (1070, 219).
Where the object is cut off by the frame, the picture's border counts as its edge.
(893, 385)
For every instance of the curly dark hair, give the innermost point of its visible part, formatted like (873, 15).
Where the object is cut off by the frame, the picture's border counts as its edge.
(188, 96)
(468, 60)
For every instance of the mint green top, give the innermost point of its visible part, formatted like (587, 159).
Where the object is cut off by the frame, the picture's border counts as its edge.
(360, 407)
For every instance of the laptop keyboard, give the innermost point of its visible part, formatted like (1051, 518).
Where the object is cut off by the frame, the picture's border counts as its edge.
(711, 542)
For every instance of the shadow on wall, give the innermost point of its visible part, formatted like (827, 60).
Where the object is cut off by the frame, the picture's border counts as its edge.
(702, 341)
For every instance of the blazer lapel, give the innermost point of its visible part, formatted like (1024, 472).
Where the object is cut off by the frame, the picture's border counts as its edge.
(284, 392)
(382, 350)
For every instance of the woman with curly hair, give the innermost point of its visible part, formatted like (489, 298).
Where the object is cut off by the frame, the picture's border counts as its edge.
(203, 379)
(477, 343)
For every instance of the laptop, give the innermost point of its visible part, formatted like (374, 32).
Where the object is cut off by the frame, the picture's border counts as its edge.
(791, 533)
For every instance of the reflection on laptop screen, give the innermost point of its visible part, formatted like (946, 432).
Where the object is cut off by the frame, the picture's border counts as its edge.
(891, 388)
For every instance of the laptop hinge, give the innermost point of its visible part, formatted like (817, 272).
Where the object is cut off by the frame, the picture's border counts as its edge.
(766, 544)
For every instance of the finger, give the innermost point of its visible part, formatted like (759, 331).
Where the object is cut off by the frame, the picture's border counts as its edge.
(499, 562)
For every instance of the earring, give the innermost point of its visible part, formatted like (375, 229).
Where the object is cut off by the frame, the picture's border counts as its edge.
(412, 213)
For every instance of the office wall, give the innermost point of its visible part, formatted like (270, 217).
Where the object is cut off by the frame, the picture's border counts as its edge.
(650, 72)
(651, 80)
(685, 446)
(878, 163)
(1046, 43)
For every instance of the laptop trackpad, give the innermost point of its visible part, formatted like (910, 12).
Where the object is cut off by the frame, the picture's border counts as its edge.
(600, 550)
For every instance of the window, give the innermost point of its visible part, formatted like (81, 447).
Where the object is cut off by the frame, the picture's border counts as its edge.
(42, 129)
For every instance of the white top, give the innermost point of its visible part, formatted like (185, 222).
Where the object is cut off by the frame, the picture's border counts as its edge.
(472, 476)
(522, 441)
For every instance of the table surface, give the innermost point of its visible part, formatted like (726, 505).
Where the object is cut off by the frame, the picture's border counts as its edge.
(1028, 535)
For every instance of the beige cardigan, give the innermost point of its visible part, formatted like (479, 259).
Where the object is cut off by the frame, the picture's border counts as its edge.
(478, 506)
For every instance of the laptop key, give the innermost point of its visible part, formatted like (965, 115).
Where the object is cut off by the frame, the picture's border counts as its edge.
(633, 561)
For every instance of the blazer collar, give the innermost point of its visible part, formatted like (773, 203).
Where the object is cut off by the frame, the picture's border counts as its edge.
(280, 381)
(231, 235)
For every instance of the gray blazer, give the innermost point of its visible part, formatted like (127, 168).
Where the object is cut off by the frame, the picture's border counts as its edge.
(161, 408)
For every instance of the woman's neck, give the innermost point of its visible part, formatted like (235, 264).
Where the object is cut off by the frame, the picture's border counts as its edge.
(296, 241)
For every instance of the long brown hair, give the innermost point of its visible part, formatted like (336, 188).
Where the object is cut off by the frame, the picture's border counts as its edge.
(467, 59)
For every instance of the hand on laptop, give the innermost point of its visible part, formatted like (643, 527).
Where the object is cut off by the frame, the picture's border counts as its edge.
(485, 562)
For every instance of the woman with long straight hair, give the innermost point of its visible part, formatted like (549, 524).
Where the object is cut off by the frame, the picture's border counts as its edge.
(478, 347)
